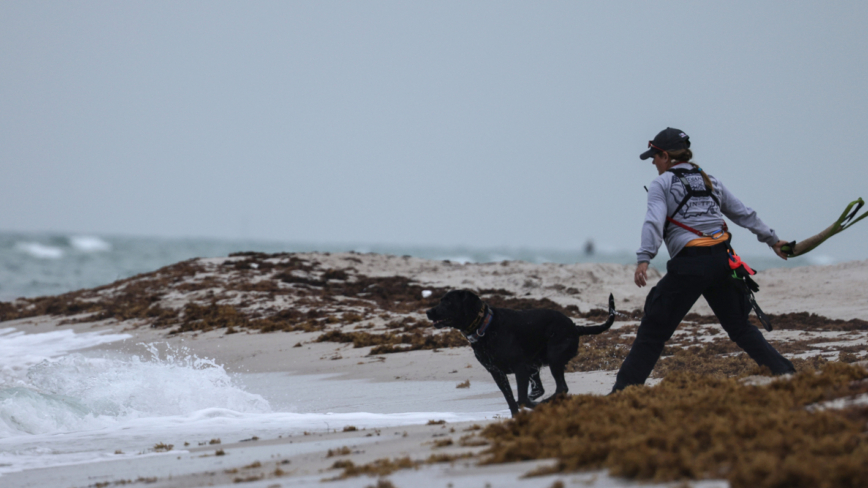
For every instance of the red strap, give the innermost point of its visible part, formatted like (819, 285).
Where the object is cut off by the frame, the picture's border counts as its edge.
(723, 228)
(735, 262)
(685, 227)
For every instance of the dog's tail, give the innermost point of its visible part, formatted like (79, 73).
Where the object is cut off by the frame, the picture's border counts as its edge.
(599, 329)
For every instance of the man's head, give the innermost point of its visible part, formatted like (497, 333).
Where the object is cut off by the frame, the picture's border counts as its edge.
(667, 140)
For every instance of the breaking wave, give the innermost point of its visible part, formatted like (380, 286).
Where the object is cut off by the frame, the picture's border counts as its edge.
(76, 392)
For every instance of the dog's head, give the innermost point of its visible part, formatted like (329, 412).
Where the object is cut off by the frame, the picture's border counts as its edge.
(457, 309)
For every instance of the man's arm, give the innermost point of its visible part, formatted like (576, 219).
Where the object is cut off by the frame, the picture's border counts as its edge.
(655, 217)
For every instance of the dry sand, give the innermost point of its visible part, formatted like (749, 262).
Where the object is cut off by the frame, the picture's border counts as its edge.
(833, 291)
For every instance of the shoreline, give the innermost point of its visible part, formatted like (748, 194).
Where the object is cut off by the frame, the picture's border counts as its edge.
(338, 292)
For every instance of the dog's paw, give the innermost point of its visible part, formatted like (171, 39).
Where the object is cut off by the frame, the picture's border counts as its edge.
(555, 398)
(530, 404)
(534, 393)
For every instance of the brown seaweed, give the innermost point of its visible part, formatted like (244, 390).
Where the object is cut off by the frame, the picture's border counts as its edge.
(696, 427)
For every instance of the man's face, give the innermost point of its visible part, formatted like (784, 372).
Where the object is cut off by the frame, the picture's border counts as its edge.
(661, 161)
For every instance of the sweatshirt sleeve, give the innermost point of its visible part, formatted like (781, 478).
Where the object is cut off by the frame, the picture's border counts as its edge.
(745, 216)
(655, 217)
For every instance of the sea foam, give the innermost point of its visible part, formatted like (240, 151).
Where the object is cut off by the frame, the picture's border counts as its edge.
(59, 407)
(76, 392)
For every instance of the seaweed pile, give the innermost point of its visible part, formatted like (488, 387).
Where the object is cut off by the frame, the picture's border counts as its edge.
(257, 292)
(692, 427)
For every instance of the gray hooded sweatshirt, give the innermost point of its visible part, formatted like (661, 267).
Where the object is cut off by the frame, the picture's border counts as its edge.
(700, 213)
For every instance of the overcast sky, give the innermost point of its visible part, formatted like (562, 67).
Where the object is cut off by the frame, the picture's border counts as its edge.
(424, 123)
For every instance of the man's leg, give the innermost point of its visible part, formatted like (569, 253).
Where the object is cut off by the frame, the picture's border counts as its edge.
(730, 304)
(665, 307)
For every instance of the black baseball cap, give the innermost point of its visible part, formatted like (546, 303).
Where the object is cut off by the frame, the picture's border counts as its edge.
(668, 139)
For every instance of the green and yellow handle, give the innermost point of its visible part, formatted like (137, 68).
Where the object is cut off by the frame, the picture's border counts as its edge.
(845, 221)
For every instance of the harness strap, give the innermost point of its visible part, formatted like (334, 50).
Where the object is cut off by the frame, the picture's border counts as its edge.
(690, 193)
(742, 272)
(719, 233)
(740, 269)
(767, 324)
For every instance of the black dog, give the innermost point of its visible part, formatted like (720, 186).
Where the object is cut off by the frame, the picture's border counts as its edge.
(516, 342)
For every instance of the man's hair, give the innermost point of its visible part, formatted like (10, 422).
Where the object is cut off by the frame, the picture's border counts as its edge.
(685, 156)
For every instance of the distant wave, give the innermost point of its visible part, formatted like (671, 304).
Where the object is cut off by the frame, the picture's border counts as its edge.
(89, 244)
(84, 244)
(40, 251)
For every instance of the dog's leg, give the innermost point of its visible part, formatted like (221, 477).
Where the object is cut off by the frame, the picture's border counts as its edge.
(536, 386)
(503, 383)
(522, 378)
(558, 374)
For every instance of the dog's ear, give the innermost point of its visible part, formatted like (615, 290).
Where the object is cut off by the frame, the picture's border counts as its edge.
(451, 296)
(468, 298)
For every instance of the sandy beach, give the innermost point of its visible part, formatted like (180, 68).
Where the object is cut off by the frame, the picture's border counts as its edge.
(335, 366)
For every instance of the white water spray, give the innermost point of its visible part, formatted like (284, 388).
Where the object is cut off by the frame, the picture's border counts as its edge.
(76, 392)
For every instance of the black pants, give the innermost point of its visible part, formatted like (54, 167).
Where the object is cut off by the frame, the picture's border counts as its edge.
(695, 272)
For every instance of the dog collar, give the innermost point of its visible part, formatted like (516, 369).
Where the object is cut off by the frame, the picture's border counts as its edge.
(477, 321)
(480, 332)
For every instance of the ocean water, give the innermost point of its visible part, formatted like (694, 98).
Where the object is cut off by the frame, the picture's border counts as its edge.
(60, 405)
(48, 264)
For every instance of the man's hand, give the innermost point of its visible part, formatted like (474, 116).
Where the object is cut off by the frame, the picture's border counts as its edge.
(777, 249)
(641, 275)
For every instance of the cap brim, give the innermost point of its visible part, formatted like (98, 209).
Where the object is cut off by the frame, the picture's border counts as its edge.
(647, 154)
